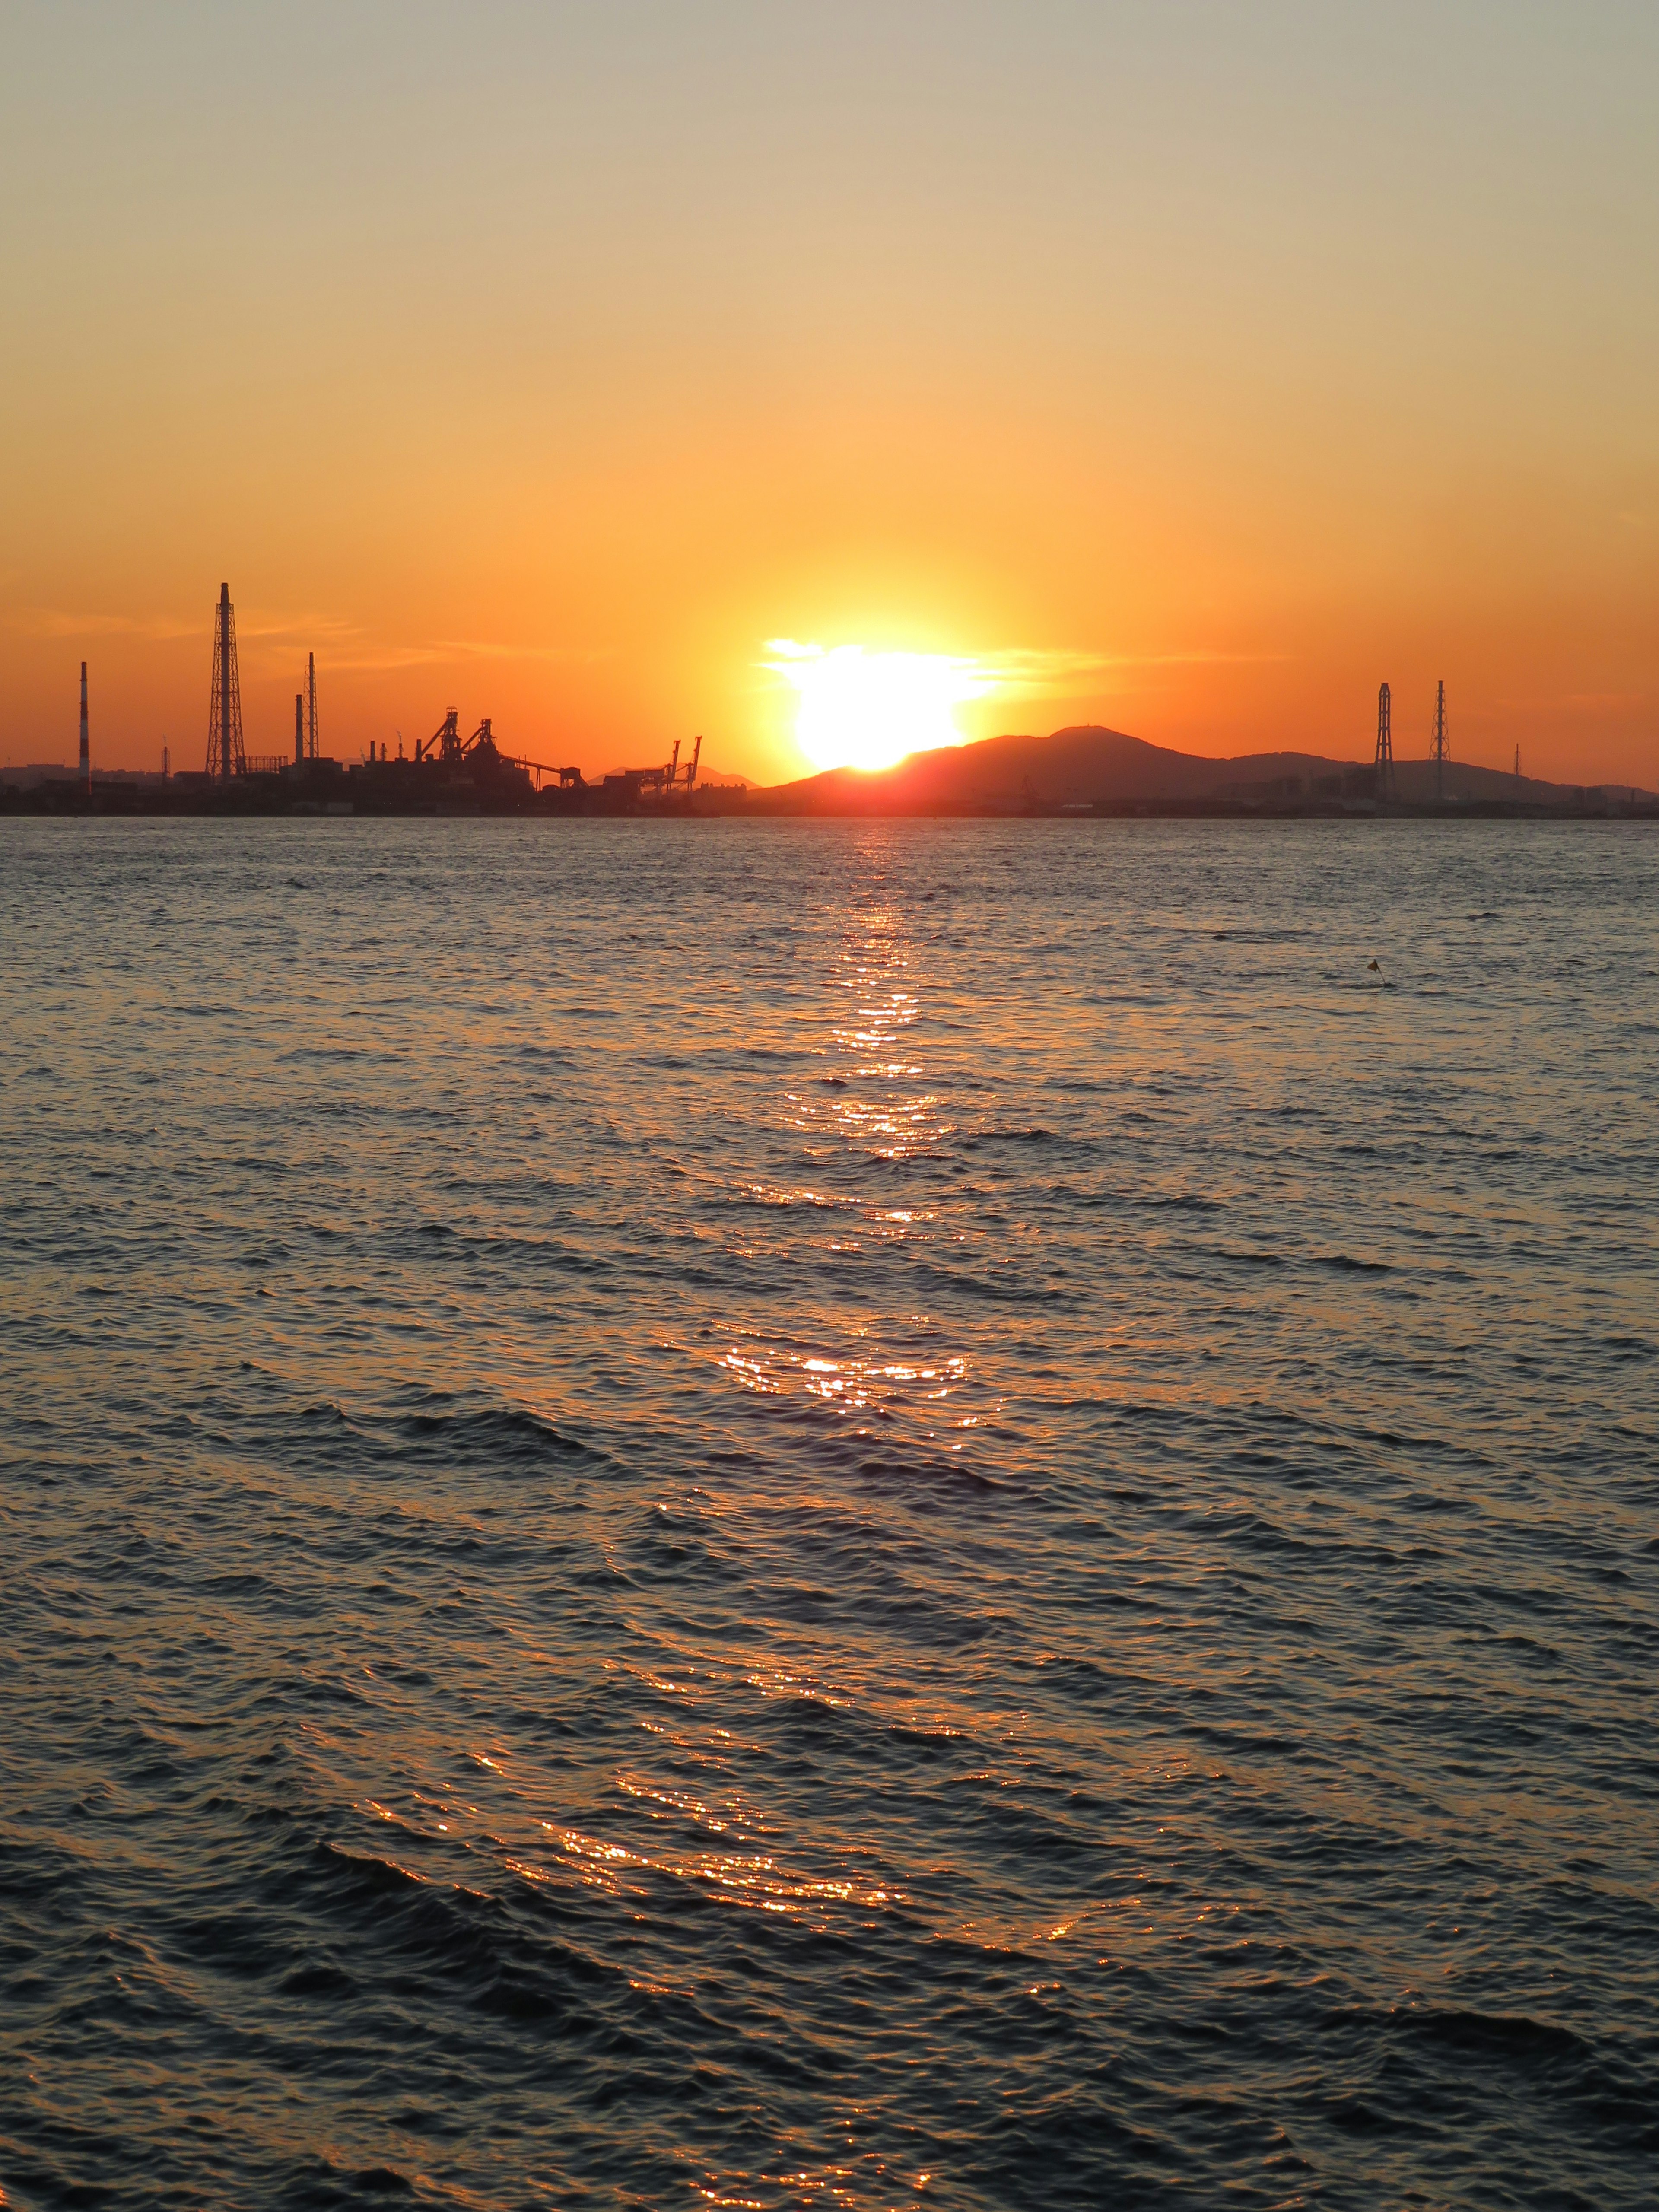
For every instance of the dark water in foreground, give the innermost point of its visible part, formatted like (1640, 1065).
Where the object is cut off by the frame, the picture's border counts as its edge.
(785, 1514)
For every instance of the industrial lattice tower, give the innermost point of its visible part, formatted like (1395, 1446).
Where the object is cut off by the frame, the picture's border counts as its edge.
(225, 755)
(311, 706)
(1440, 743)
(1385, 787)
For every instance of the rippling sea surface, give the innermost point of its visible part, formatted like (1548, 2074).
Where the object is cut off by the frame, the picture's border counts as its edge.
(888, 1515)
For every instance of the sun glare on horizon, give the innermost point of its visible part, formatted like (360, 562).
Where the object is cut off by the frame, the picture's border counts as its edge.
(866, 710)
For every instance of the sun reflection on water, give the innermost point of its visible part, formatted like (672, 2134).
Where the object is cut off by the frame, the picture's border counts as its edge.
(873, 1111)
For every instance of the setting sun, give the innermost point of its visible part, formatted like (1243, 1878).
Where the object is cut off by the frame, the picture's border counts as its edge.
(862, 710)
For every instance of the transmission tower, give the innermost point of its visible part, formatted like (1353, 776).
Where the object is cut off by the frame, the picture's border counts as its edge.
(1384, 744)
(1440, 744)
(311, 706)
(225, 755)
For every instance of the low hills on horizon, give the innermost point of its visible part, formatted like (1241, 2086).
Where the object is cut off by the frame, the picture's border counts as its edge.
(1088, 766)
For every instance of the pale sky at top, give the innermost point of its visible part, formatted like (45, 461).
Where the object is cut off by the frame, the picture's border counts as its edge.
(1204, 363)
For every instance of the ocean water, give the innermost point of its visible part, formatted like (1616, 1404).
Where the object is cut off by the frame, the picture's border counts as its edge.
(775, 1515)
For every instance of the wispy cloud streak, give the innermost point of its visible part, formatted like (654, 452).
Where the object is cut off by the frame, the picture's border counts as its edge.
(260, 632)
(62, 621)
(1052, 668)
(1036, 669)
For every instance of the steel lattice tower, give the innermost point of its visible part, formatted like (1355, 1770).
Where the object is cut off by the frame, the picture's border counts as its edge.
(1385, 788)
(225, 755)
(1440, 743)
(311, 706)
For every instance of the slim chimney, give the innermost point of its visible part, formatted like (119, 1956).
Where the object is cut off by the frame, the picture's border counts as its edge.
(86, 748)
(299, 729)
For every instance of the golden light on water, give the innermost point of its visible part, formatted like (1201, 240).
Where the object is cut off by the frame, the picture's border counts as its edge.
(864, 709)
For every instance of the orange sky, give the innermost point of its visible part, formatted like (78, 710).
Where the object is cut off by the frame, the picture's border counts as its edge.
(1192, 367)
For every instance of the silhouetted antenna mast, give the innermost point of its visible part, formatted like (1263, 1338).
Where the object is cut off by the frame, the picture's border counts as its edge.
(225, 757)
(86, 746)
(1440, 743)
(311, 706)
(1384, 743)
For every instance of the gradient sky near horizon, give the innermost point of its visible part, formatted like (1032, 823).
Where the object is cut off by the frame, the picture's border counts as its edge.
(1188, 368)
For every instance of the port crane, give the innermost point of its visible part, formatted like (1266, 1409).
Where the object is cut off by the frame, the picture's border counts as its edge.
(662, 781)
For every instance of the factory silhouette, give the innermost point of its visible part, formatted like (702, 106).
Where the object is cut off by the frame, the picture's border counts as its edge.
(445, 767)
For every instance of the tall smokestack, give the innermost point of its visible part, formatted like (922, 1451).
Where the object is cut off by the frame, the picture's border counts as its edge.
(299, 729)
(85, 744)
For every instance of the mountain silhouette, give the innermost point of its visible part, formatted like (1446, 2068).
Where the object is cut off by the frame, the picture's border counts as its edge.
(1088, 765)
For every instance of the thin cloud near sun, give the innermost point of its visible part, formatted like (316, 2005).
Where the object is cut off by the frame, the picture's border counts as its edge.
(863, 708)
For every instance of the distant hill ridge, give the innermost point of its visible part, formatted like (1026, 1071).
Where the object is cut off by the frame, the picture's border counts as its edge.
(1088, 765)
